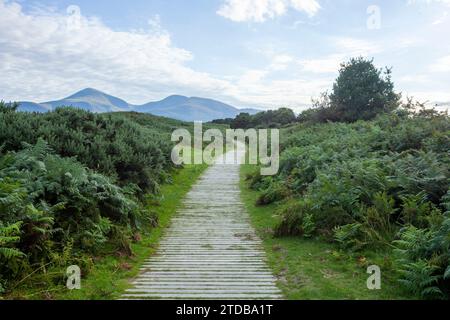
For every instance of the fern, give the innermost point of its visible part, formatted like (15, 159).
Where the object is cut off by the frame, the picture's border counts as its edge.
(9, 235)
(419, 278)
(350, 236)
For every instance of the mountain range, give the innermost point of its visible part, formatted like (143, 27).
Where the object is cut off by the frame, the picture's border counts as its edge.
(176, 106)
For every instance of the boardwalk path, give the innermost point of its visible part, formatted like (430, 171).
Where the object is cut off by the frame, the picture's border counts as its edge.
(210, 251)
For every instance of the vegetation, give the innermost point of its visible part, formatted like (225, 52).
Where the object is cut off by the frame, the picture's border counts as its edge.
(265, 119)
(307, 268)
(49, 204)
(363, 180)
(380, 185)
(109, 276)
(73, 183)
(361, 92)
(109, 144)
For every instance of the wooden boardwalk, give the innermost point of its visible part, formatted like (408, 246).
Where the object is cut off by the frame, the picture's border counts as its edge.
(210, 251)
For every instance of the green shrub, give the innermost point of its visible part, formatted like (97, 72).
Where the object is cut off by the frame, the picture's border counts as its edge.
(11, 258)
(350, 236)
(73, 185)
(341, 168)
(48, 202)
(379, 222)
(308, 225)
(425, 259)
(265, 119)
(371, 185)
(419, 279)
(107, 143)
(275, 192)
(291, 223)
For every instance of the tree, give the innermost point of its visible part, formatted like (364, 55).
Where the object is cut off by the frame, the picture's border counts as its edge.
(8, 107)
(242, 121)
(264, 119)
(284, 116)
(362, 91)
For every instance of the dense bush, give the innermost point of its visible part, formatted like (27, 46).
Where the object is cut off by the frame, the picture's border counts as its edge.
(47, 201)
(425, 254)
(72, 184)
(108, 143)
(367, 173)
(370, 185)
(264, 119)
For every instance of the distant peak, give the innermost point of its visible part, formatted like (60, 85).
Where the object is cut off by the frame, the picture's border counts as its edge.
(176, 99)
(177, 96)
(87, 92)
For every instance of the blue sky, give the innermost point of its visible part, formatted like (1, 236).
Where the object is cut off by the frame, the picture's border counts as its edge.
(250, 53)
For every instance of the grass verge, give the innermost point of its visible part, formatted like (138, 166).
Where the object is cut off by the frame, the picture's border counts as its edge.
(313, 269)
(109, 276)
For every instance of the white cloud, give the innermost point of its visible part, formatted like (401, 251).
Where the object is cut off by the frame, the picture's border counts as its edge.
(442, 19)
(261, 10)
(411, 2)
(257, 88)
(294, 89)
(356, 47)
(415, 79)
(345, 48)
(44, 57)
(441, 65)
(280, 62)
(251, 77)
(439, 99)
(328, 64)
(46, 53)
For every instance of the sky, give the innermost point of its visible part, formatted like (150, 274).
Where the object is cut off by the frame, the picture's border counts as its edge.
(249, 53)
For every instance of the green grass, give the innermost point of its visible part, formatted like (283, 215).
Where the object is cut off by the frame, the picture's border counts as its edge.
(313, 269)
(111, 272)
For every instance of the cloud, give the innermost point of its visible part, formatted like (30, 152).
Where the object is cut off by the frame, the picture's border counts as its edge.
(280, 83)
(344, 49)
(356, 47)
(45, 53)
(328, 64)
(257, 87)
(439, 98)
(415, 79)
(261, 10)
(280, 62)
(412, 2)
(441, 65)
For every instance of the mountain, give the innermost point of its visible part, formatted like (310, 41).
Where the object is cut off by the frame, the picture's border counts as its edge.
(191, 109)
(176, 107)
(33, 107)
(87, 99)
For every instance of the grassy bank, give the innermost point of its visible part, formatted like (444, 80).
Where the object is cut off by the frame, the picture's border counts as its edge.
(313, 269)
(110, 272)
